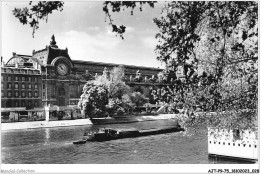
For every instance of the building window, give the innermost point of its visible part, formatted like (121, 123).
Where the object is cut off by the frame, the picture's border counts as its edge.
(23, 79)
(2, 94)
(43, 94)
(36, 79)
(16, 94)
(2, 78)
(35, 103)
(2, 85)
(9, 78)
(29, 79)
(16, 78)
(16, 104)
(43, 86)
(23, 104)
(33, 79)
(16, 86)
(9, 85)
(29, 103)
(35, 94)
(23, 94)
(9, 94)
(29, 94)
(29, 86)
(36, 87)
(23, 86)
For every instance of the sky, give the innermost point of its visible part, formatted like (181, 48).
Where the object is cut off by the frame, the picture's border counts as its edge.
(81, 27)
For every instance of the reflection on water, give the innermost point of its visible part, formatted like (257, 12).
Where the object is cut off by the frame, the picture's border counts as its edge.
(54, 145)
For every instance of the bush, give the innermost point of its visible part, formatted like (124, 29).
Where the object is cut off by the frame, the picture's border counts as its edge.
(138, 99)
(118, 107)
(94, 99)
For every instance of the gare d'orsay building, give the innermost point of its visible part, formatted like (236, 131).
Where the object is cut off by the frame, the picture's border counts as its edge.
(51, 77)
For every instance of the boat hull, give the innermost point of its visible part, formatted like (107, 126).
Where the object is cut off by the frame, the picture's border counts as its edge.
(134, 133)
(80, 142)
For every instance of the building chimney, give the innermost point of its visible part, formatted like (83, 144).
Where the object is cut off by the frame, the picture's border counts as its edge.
(2, 62)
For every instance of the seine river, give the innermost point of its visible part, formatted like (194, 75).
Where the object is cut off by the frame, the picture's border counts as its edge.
(54, 146)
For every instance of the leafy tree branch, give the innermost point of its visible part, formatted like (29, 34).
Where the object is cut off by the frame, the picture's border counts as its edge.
(37, 11)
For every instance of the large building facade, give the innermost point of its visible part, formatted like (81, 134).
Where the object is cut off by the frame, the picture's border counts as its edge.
(49, 77)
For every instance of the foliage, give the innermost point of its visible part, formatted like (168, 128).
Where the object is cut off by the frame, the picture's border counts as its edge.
(114, 82)
(40, 11)
(115, 102)
(216, 44)
(242, 119)
(235, 119)
(119, 107)
(117, 6)
(138, 99)
(218, 38)
(37, 11)
(94, 99)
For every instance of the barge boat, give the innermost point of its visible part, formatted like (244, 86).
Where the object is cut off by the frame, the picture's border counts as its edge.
(107, 134)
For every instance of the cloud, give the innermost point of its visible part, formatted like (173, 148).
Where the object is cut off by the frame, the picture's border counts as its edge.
(83, 45)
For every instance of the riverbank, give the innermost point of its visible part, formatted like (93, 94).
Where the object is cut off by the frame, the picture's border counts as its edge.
(43, 124)
(62, 123)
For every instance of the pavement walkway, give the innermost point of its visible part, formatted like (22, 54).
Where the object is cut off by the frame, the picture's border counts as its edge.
(43, 124)
(61, 123)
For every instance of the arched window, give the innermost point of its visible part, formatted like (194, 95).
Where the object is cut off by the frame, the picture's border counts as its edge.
(16, 94)
(23, 94)
(35, 94)
(9, 85)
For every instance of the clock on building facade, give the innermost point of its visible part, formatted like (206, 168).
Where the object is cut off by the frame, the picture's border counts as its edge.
(62, 68)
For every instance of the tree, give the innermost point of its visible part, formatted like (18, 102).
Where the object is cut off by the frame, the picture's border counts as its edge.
(94, 99)
(113, 91)
(114, 82)
(138, 99)
(37, 11)
(41, 10)
(216, 43)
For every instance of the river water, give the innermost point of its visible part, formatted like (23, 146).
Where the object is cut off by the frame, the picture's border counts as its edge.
(54, 146)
